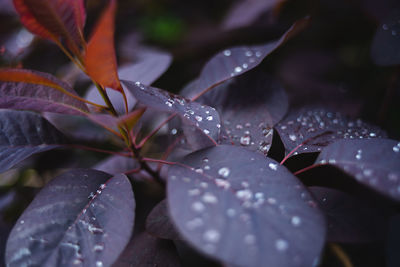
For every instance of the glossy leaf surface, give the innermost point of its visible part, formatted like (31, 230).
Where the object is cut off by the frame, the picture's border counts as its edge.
(316, 128)
(250, 106)
(23, 134)
(244, 209)
(374, 163)
(74, 220)
(33, 90)
(199, 116)
(238, 60)
(100, 59)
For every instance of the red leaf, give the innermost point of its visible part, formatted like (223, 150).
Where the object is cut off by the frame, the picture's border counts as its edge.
(100, 60)
(54, 19)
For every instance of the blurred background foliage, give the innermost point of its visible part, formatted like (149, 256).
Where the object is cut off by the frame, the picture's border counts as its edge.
(349, 53)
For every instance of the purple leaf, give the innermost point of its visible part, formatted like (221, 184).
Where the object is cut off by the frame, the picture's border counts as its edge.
(316, 128)
(23, 134)
(249, 105)
(350, 220)
(38, 97)
(244, 209)
(385, 48)
(238, 60)
(159, 224)
(116, 164)
(196, 115)
(373, 162)
(245, 12)
(80, 217)
(146, 250)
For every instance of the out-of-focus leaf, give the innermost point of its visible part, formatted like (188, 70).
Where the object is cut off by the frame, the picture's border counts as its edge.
(245, 12)
(116, 164)
(54, 19)
(23, 134)
(316, 128)
(238, 60)
(250, 106)
(198, 116)
(373, 162)
(350, 220)
(159, 224)
(385, 48)
(32, 90)
(74, 220)
(146, 250)
(244, 209)
(100, 59)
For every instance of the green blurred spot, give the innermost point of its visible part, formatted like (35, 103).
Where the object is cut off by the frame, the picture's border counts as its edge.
(163, 29)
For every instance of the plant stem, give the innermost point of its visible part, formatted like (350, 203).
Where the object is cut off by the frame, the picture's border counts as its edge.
(308, 168)
(339, 252)
(145, 139)
(100, 150)
(106, 99)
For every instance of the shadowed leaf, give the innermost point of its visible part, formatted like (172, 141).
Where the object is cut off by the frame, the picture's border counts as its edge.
(116, 164)
(198, 116)
(350, 220)
(54, 19)
(249, 125)
(73, 220)
(316, 128)
(159, 224)
(243, 13)
(373, 162)
(238, 60)
(23, 134)
(244, 209)
(146, 250)
(100, 60)
(32, 90)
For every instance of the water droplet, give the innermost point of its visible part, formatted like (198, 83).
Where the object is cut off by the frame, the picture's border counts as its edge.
(281, 245)
(230, 212)
(198, 118)
(244, 194)
(367, 172)
(22, 222)
(249, 239)
(224, 172)
(195, 223)
(98, 247)
(174, 131)
(198, 206)
(169, 102)
(248, 53)
(194, 192)
(102, 186)
(271, 200)
(222, 183)
(209, 118)
(209, 198)
(396, 148)
(238, 69)
(292, 137)
(99, 264)
(245, 65)
(227, 53)
(245, 140)
(359, 154)
(385, 27)
(259, 195)
(258, 54)
(273, 166)
(211, 236)
(206, 131)
(296, 221)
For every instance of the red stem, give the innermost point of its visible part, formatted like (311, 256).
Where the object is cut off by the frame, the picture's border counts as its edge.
(150, 135)
(308, 168)
(100, 150)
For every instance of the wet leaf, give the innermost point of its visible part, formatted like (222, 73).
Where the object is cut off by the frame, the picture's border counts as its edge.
(54, 19)
(74, 220)
(385, 49)
(350, 220)
(23, 134)
(159, 224)
(244, 13)
(244, 209)
(247, 125)
(373, 162)
(33, 90)
(238, 60)
(316, 128)
(146, 250)
(198, 116)
(100, 59)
